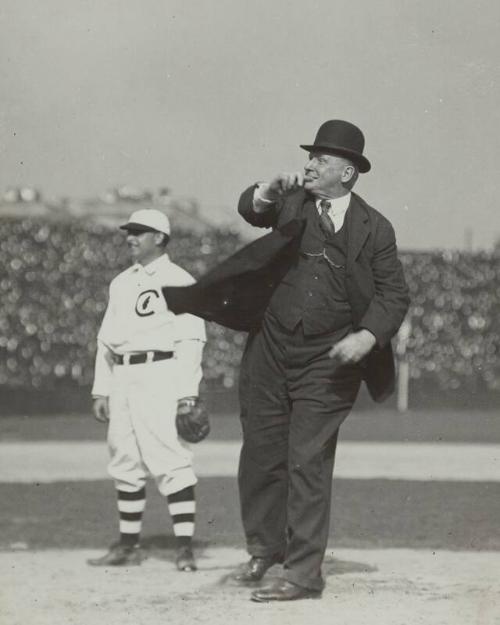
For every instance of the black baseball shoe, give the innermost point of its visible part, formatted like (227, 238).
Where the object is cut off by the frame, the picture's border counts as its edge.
(184, 560)
(119, 555)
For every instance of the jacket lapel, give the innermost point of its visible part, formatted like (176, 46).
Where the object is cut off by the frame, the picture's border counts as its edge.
(358, 229)
(293, 209)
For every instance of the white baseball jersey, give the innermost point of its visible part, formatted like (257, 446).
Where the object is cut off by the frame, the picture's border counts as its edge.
(137, 319)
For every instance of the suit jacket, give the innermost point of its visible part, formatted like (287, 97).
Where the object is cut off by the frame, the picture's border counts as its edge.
(236, 292)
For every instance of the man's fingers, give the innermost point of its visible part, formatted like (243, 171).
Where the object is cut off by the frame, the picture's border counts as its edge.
(101, 412)
(336, 353)
(295, 181)
(342, 354)
(286, 182)
(299, 179)
(283, 183)
(102, 417)
(333, 352)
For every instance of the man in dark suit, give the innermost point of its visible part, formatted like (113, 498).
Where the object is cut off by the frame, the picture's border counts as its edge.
(321, 296)
(326, 327)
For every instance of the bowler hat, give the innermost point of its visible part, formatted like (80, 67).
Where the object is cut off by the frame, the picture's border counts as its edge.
(343, 139)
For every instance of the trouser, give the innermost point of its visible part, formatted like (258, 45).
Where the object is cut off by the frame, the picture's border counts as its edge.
(142, 436)
(293, 400)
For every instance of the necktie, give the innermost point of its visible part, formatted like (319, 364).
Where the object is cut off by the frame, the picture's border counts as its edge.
(325, 220)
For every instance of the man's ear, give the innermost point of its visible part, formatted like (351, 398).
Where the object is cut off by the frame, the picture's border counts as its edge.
(351, 174)
(348, 173)
(161, 238)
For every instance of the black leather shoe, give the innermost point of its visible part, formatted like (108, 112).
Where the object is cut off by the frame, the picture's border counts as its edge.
(254, 569)
(119, 555)
(284, 591)
(184, 560)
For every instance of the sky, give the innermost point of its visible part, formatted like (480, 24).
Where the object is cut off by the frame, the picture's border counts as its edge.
(206, 97)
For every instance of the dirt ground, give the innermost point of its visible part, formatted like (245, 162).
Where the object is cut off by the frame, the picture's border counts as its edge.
(390, 587)
(401, 552)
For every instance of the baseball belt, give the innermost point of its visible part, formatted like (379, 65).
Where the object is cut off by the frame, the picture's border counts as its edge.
(141, 357)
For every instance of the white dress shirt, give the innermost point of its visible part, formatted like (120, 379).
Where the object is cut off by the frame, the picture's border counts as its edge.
(336, 212)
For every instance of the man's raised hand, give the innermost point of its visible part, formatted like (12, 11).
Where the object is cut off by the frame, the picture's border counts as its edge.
(282, 185)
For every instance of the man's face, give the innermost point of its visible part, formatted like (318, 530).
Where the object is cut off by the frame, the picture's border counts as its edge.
(325, 173)
(143, 246)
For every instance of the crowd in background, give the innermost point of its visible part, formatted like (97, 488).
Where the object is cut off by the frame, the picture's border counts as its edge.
(454, 319)
(54, 278)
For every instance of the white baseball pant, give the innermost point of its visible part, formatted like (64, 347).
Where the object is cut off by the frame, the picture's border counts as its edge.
(142, 436)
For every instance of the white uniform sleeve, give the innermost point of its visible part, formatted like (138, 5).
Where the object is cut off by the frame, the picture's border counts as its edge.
(188, 355)
(189, 327)
(190, 338)
(103, 360)
(102, 371)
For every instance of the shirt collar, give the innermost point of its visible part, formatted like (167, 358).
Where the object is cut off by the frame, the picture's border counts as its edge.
(338, 205)
(152, 267)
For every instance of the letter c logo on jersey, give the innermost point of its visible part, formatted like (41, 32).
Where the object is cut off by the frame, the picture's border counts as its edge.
(144, 305)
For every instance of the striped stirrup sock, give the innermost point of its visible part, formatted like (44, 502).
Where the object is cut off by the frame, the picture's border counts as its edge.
(131, 507)
(182, 508)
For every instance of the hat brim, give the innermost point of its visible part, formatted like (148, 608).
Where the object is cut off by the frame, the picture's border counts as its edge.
(358, 159)
(138, 227)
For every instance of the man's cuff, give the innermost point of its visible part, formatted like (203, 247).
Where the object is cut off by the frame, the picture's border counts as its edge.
(261, 204)
(190, 399)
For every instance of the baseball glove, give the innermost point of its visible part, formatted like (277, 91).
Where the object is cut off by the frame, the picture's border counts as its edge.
(192, 420)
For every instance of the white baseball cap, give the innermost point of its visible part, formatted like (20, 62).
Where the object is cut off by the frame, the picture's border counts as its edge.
(147, 220)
